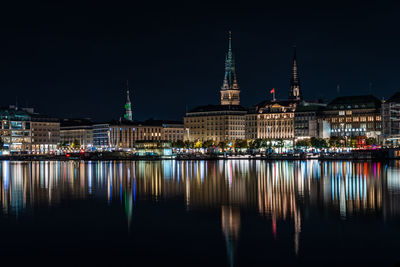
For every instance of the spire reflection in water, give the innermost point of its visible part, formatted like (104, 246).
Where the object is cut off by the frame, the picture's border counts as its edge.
(280, 191)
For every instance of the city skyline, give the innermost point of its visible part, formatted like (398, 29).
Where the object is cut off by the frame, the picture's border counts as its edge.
(85, 58)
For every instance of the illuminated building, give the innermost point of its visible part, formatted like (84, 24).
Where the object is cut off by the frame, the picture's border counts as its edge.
(391, 120)
(77, 131)
(352, 116)
(173, 131)
(101, 135)
(215, 122)
(23, 130)
(15, 130)
(45, 134)
(271, 120)
(219, 122)
(309, 122)
(123, 134)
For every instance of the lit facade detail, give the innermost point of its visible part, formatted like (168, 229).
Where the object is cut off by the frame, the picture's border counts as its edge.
(352, 116)
(124, 135)
(230, 93)
(215, 123)
(271, 120)
(78, 132)
(295, 92)
(391, 120)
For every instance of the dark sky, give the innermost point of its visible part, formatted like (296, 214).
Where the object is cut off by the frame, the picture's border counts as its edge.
(72, 60)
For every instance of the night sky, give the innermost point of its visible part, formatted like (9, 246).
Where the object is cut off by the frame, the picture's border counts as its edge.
(69, 60)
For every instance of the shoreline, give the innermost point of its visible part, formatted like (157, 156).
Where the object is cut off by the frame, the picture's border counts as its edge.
(194, 158)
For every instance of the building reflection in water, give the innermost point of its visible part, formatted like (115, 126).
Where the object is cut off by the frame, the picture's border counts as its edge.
(278, 191)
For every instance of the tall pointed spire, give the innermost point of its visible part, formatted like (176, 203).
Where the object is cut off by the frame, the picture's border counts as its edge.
(128, 106)
(230, 88)
(295, 93)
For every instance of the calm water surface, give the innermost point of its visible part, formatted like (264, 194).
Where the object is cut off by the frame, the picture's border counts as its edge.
(225, 213)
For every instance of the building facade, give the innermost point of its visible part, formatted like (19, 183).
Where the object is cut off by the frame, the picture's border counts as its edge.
(124, 134)
(173, 131)
(216, 123)
(77, 132)
(352, 116)
(16, 130)
(101, 138)
(24, 131)
(271, 120)
(309, 121)
(45, 134)
(391, 120)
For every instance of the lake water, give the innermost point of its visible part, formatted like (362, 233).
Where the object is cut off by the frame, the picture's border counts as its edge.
(225, 213)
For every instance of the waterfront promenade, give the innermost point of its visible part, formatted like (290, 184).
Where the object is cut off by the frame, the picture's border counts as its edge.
(381, 154)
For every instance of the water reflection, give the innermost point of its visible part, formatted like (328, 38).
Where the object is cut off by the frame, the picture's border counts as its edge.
(278, 191)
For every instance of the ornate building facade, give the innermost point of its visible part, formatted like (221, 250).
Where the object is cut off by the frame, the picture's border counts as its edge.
(271, 120)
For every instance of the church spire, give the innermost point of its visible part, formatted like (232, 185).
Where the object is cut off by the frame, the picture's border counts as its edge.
(230, 88)
(295, 93)
(230, 81)
(128, 106)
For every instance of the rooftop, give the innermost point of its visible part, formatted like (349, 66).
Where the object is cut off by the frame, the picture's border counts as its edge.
(76, 122)
(149, 122)
(360, 101)
(208, 108)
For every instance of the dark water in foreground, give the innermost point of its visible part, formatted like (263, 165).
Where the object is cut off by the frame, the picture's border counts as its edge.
(235, 213)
